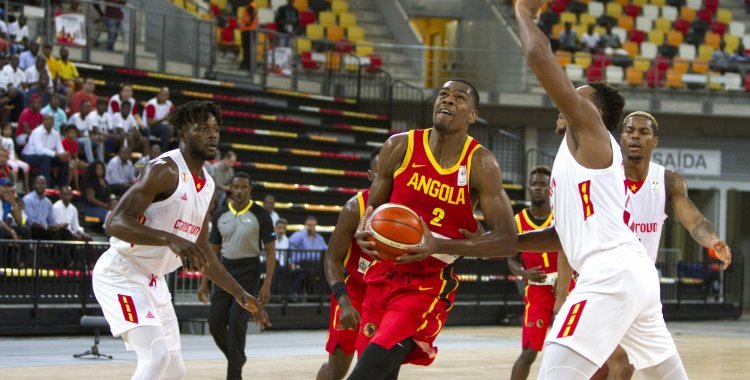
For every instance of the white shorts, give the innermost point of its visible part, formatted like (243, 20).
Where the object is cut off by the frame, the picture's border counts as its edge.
(130, 298)
(616, 301)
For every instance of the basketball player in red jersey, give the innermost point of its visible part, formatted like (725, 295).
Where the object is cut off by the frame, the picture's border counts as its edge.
(441, 173)
(345, 265)
(160, 221)
(650, 186)
(539, 271)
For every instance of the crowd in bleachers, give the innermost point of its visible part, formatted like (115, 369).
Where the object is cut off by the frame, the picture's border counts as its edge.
(672, 43)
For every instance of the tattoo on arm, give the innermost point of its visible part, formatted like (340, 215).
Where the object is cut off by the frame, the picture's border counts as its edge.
(704, 233)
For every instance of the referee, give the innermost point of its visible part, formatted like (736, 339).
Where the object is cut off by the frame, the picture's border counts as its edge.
(239, 228)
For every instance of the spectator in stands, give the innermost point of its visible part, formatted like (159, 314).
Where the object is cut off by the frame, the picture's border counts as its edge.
(127, 128)
(55, 110)
(3, 25)
(99, 126)
(154, 152)
(304, 246)
(45, 150)
(308, 238)
(30, 118)
(287, 18)
(12, 81)
(70, 144)
(11, 211)
(85, 93)
(32, 73)
(67, 213)
(269, 202)
(28, 58)
(590, 40)
(97, 197)
(222, 172)
(720, 60)
(18, 31)
(13, 162)
(609, 39)
(120, 172)
(79, 120)
(247, 24)
(41, 88)
(40, 215)
(740, 56)
(113, 16)
(66, 70)
(50, 61)
(4, 46)
(157, 109)
(5, 170)
(568, 38)
(282, 242)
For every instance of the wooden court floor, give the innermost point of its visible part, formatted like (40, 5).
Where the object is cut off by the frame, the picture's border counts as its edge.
(710, 350)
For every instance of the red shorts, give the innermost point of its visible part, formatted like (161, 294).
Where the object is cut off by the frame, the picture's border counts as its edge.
(537, 317)
(401, 305)
(338, 336)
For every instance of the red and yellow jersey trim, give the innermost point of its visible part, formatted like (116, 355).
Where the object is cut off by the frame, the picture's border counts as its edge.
(407, 156)
(529, 221)
(436, 165)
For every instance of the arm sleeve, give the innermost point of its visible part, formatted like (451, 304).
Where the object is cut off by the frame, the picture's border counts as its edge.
(150, 111)
(215, 236)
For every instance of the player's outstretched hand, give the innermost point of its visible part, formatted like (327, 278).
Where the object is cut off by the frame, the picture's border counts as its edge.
(188, 250)
(349, 316)
(252, 305)
(723, 252)
(531, 7)
(367, 247)
(535, 274)
(421, 251)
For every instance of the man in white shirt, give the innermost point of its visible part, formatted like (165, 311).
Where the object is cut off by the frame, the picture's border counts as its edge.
(67, 213)
(79, 120)
(18, 30)
(155, 112)
(269, 202)
(120, 172)
(45, 149)
(12, 80)
(131, 130)
(98, 126)
(28, 58)
(31, 73)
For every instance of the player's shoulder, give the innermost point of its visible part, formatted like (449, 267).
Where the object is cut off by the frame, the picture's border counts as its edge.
(160, 169)
(674, 181)
(259, 211)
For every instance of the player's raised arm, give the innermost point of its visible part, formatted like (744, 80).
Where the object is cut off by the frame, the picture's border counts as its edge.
(157, 182)
(700, 228)
(585, 123)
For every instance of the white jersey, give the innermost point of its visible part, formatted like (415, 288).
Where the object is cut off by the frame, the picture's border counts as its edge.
(590, 207)
(181, 214)
(649, 199)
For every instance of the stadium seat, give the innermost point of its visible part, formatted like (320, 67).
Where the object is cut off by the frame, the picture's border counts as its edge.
(339, 6)
(587, 19)
(700, 66)
(705, 52)
(275, 4)
(334, 33)
(732, 82)
(594, 73)
(651, 12)
(640, 3)
(568, 17)
(621, 33)
(705, 15)
(614, 75)
(711, 5)
(622, 2)
(688, 14)
(265, 15)
(596, 8)
(577, 7)
(644, 23)
(634, 77)
(347, 20)
(631, 47)
(564, 58)
(674, 79)
(575, 72)
(663, 24)
(614, 9)
(625, 22)
(669, 12)
(656, 37)
(687, 51)
(681, 25)
(718, 28)
(582, 59)
(658, 3)
(558, 6)
(712, 40)
(376, 61)
(655, 78)
(314, 31)
(724, 15)
(747, 82)
(307, 61)
(556, 30)
(326, 18)
(737, 28)
(602, 60)
(363, 49)
(259, 4)
(681, 65)
(642, 63)
(715, 81)
(695, 4)
(668, 51)
(674, 38)
(731, 42)
(637, 36)
(301, 5)
(303, 44)
(306, 18)
(746, 41)
(355, 33)
(693, 38)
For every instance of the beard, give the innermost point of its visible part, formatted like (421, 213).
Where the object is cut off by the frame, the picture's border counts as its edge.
(538, 202)
(198, 151)
(635, 157)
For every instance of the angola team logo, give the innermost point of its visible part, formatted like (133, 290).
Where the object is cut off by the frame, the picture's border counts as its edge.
(369, 329)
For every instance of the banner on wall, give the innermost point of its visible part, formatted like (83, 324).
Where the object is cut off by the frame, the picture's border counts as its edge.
(70, 29)
(280, 60)
(689, 161)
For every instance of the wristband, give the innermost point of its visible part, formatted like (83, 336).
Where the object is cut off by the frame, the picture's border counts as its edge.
(338, 289)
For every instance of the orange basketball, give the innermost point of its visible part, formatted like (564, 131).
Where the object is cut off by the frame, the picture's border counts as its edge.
(393, 228)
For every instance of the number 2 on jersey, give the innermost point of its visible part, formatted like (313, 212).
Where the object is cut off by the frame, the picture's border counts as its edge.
(439, 215)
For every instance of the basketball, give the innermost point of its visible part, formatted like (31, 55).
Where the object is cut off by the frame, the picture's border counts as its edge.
(393, 228)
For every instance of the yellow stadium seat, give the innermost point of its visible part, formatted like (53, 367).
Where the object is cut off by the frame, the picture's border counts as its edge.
(262, 4)
(587, 19)
(334, 32)
(363, 49)
(563, 58)
(221, 4)
(700, 66)
(614, 9)
(681, 65)
(634, 77)
(580, 30)
(659, 3)
(687, 14)
(705, 52)
(347, 19)
(631, 47)
(333, 60)
(355, 33)
(622, 2)
(327, 18)
(641, 63)
(314, 31)
(339, 6)
(731, 42)
(712, 39)
(663, 24)
(674, 79)
(656, 37)
(583, 60)
(640, 3)
(600, 30)
(724, 15)
(557, 29)
(713, 83)
(674, 38)
(568, 17)
(301, 5)
(303, 44)
(625, 22)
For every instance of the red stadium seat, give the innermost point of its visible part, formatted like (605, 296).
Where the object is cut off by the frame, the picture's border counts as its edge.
(718, 27)
(637, 36)
(632, 10)
(594, 73)
(271, 26)
(654, 78)
(705, 15)
(375, 62)
(306, 17)
(747, 82)
(558, 6)
(307, 61)
(681, 25)
(711, 5)
(662, 64)
(344, 46)
(602, 60)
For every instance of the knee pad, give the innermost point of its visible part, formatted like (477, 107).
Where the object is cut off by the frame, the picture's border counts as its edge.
(176, 369)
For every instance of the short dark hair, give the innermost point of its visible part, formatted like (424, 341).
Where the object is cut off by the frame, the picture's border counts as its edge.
(242, 175)
(281, 220)
(310, 217)
(227, 154)
(474, 93)
(101, 101)
(609, 101)
(654, 123)
(193, 112)
(541, 169)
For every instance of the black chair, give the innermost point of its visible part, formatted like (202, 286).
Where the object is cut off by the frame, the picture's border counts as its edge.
(96, 323)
